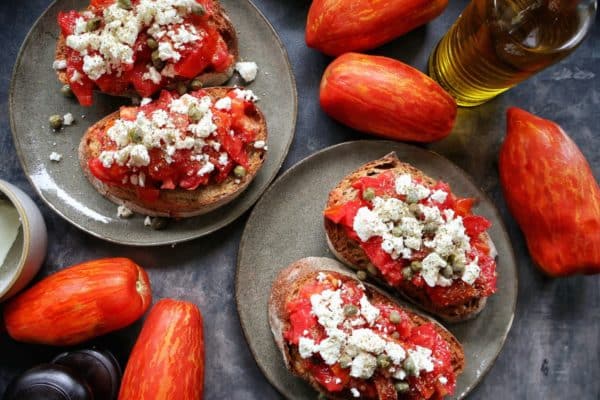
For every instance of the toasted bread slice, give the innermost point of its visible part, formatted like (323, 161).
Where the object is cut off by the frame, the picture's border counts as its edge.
(292, 278)
(220, 20)
(350, 253)
(176, 203)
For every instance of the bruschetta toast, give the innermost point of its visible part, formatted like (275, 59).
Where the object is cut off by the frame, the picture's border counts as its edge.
(177, 156)
(124, 47)
(350, 340)
(413, 234)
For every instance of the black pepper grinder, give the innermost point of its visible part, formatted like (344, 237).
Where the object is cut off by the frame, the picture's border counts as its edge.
(75, 375)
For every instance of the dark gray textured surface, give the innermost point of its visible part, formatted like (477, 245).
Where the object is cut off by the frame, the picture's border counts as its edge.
(553, 349)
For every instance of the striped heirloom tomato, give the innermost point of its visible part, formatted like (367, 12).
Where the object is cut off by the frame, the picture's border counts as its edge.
(552, 193)
(387, 98)
(80, 303)
(339, 26)
(167, 361)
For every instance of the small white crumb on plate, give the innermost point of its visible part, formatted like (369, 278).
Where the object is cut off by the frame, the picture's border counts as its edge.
(247, 70)
(68, 119)
(59, 65)
(56, 157)
(124, 212)
(148, 221)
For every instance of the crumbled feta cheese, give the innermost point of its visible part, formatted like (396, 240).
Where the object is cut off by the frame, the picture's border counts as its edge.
(413, 191)
(369, 311)
(76, 77)
(363, 366)
(439, 196)
(247, 70)
(223, 103)
(223, 158)
(307, 347)
(145, 101)
(59, 65)
(166, 52)
(147, 221)
(206, 169)
(367, 340)
(431, 268)
(124, 212)
(443, 380)
(395, 352)
(259, 144)
(327, 307)
(94, 66)
(368, 224)
(246, 95)
(330, 349)
(471, 272)
(54, 156)
(152, 75)
(68, 119)
(421, 357)
(138, 156)
(355, 392)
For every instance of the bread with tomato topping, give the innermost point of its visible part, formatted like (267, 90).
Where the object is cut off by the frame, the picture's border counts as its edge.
(350, 252)
(286, 288)
(218, 20)
(177, 202)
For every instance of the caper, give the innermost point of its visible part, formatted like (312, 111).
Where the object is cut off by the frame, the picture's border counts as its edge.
(194, 113)
(156, 61)
(407, 273)
(416, 266)
(396, 335)
(159, 223)
(401, 387)
(321, 396)
(395, 317)
(350, 310)
(152, 43)
(345, 361)
(414, 209)
(361, 275)
(397, 231)
(181, 88)
(66, 91)
(410, 367)
(93, 24)
(125, 4)
(56, 121)
(134, 135)
(383, 361)
(458, 268)
(429, 228)
(196, 84)
(239, 171)
(372, 269)
(197, 9)
(368, 194)
(447, 272)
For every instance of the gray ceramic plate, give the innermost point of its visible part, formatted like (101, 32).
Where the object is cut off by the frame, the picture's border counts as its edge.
(34, 96)
(287, 224)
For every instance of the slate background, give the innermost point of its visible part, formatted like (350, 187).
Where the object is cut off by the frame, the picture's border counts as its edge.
(553, 350)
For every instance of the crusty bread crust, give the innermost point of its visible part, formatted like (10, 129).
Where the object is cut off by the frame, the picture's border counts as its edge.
(288, 283)
(220, 20)
(177, 203)
(350, 253)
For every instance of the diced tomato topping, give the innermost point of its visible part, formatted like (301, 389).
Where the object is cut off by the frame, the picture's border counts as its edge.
(475, 225)
(206, 55)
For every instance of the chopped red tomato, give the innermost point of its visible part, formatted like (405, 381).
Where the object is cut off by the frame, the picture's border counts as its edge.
(66, 21)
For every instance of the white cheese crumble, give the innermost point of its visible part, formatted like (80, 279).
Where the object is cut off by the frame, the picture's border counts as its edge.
(152, 75)
(124, 212)
(363, 366)
(421, 357)
(223, 103)
(247, 70)
(247, 95)
(148, 221)
(355, 392)
(56, 157)
(408, 226)
(145, 101)
(68, 119)
(443, 380)
(260, 144)
(94, 66)
(59, 65)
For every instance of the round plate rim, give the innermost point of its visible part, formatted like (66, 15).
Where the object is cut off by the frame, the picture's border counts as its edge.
(292, 169)
(223, 223)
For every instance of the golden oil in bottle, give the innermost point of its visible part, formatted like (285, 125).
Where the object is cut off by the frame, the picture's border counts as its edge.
(495, 44)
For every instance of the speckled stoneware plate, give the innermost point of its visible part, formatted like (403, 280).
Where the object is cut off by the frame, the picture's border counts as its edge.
(287, 225)
(34, 96)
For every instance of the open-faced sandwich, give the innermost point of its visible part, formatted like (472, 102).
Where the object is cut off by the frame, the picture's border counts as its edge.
(412, 233)
(349, 340)
(177, 156)
(125, 46)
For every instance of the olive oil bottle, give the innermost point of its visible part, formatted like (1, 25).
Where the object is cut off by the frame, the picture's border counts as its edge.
(495, 44)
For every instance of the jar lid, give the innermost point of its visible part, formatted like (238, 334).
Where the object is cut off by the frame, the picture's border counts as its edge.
(48, 382)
